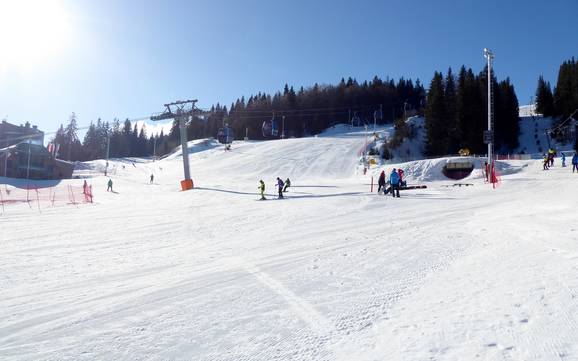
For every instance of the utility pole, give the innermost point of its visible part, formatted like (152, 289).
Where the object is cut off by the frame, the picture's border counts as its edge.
(489, 136)
(181, 110)
(283, 127)
(154, 148)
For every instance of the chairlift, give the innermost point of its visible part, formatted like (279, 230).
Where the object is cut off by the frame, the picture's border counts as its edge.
(225, 135)
(270, 128)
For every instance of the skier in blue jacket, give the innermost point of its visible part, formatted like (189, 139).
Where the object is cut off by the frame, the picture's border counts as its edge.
(280, 185)
(575, 162)
(394, 181)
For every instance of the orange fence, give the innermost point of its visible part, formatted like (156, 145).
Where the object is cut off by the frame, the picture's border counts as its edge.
(45, 197)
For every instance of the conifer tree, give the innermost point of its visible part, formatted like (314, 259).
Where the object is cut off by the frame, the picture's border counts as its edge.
(435, 117)
(544, 98)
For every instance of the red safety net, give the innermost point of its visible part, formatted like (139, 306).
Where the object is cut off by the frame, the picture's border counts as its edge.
(46, 197)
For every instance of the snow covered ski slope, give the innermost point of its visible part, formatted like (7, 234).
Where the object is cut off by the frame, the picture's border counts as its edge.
(332, 272)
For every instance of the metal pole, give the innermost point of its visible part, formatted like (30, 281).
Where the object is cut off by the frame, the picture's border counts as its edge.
(28, 166)
(283, 127)
(154, 148)
(489, 56)
(184, 148)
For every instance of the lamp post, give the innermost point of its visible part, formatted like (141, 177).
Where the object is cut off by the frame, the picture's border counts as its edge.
(489, 135)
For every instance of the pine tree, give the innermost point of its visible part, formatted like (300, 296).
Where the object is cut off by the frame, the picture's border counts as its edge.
(544, 98)
(435, 116)
(451, 111)
(566, 92)
(72, 146)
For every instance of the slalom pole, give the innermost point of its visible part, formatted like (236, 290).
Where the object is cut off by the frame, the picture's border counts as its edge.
(371, 184)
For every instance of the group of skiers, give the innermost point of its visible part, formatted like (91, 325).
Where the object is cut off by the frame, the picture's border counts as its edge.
(395, 182)
(548, 160)
(281, 187)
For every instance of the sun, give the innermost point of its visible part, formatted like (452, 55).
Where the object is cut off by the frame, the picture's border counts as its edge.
(32, 32)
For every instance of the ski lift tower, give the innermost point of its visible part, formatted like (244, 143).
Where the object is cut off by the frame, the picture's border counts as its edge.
(489, 134)
(181, 110)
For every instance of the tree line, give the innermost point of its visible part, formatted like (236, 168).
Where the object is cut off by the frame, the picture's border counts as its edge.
(307, 111)
(455, 108)
(563, 101)
(456, 113)
(118, 139)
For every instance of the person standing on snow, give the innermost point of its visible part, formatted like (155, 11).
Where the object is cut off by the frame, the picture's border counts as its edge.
(563, 159)
(575, 162)
(287, 185)
(152, 177)
(546, 161)
(262, 189)
(280, 185)
(551, 154)
(394, 181)
(109, 188)
(400, 173)
(381, 182)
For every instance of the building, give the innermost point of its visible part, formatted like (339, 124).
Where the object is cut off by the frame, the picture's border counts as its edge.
(11, 134)
(23, 155)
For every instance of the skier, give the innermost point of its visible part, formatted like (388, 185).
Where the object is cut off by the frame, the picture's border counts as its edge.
(563, 159)
(394, 180)
(84, 187)
(546, 161)
(551, 154)
(401, 181)
(381, 182)
(280, 186)
(575, 162)
(262, 189)
(152, 177)
(109, 189)
(287, 185)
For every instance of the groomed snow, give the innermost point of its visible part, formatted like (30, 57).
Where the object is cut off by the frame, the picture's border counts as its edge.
(332, 272)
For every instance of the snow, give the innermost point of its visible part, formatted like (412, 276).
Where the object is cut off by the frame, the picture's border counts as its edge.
(527, 110)
(332, 272)
(533, 138)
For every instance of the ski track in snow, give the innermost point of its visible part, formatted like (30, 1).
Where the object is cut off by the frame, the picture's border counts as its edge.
(332, 272)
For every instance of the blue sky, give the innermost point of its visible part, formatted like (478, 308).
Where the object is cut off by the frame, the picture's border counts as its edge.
(126, 58)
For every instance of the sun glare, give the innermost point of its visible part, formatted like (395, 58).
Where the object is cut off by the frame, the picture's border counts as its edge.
(32, 32)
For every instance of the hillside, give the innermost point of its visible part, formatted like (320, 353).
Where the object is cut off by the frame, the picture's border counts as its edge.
(332, 272)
